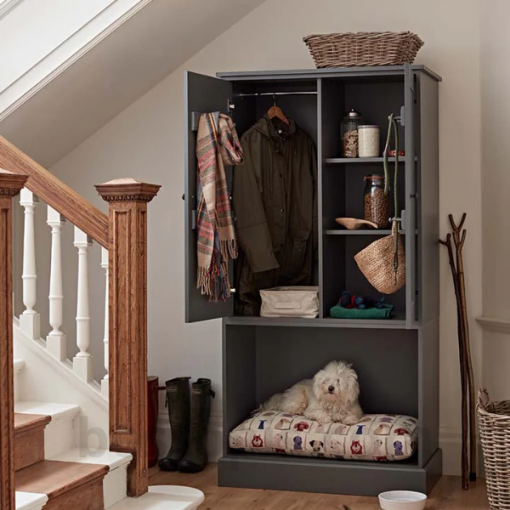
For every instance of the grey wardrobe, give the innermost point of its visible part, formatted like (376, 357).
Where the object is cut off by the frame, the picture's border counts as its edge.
(397, 360)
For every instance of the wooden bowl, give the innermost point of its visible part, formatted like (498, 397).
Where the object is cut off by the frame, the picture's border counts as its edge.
(354, 223)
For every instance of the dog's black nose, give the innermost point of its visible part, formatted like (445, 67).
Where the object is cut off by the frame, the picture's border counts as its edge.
(331, 389)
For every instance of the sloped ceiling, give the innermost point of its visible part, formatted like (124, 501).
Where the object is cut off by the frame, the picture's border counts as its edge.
(116, 72)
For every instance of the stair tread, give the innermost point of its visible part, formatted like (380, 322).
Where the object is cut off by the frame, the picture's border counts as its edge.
(97, 456)
(163, 497)
(19, 364)
(54, 478)
(24, 422)
(29, 501)
(55, 411)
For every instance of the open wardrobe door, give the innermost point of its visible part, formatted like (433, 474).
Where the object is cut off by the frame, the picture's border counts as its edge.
(410, 220)
(203, 94)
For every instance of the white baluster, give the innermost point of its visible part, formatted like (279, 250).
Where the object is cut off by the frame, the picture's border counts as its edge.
(106, 379)
(30, 319)
(56, 342)
(82, 362)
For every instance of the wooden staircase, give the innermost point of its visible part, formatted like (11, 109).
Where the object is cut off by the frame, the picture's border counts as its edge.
(63, 483)
(66, 484)
(49, 468)
(45, 462)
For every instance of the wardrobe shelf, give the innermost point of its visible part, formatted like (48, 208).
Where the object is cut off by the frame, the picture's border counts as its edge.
(396, 323)
(362, 161)
(361, 232)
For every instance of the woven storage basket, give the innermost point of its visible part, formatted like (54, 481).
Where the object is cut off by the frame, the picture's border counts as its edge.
(363, 49)
(376, 263)
(494, 421)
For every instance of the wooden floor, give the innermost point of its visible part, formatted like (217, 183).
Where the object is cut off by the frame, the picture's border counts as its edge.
(447, 495)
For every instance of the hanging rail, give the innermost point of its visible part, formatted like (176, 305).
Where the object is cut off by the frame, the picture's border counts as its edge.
(195, 116)
(297, 93)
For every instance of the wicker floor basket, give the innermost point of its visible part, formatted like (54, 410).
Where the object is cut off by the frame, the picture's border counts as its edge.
(494, 420)
(363, 49)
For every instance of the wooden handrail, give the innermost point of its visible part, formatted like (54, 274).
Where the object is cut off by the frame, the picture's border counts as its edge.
(55, 193)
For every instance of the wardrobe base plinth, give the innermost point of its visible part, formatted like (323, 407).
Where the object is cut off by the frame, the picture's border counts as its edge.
(272, 472)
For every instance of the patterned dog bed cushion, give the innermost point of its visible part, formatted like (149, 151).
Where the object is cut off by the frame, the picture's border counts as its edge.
(375, 437)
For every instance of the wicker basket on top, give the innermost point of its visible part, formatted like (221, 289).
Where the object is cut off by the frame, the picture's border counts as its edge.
(363, 49)
(494, 420)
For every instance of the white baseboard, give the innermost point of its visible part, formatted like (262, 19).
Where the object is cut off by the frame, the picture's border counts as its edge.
(450, 441)
(214, 440)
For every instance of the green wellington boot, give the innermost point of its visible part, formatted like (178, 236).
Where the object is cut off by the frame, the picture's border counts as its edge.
(196, 456)
(178, 403)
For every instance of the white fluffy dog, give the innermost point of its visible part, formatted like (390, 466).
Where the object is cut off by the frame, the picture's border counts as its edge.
(332, 396)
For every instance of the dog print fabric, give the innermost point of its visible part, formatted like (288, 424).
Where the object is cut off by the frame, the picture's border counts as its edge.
(376, 437)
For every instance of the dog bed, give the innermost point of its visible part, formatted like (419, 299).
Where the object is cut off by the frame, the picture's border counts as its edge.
(377, 437)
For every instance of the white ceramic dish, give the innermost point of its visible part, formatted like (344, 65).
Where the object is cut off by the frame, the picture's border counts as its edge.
(402, 500)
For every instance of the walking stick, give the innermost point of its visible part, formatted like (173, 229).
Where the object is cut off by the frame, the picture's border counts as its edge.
(464, 409)
(466, 367)
(459, 238)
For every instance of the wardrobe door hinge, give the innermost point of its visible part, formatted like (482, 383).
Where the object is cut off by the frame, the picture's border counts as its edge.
(193, 214)
(402, 117)
(195, 119)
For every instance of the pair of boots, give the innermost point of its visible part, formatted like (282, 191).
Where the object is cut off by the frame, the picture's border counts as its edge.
(189, 418)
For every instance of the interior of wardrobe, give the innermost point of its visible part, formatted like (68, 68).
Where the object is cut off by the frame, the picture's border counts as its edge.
(341, 187)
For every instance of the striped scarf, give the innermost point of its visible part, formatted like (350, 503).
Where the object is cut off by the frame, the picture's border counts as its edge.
(217, 145)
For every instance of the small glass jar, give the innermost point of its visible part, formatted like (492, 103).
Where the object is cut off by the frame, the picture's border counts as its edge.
(349, 132)
(368, 141)
(377, 203)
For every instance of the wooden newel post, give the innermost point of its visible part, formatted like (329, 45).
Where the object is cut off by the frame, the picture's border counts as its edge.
(10, 185)
(128, 323)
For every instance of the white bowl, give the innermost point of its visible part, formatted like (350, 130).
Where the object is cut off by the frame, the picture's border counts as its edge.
(402, 500)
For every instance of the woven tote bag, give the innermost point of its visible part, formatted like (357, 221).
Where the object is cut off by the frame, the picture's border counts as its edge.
(378, 260)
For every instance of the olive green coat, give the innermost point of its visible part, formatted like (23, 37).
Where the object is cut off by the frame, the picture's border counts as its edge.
(275, 204)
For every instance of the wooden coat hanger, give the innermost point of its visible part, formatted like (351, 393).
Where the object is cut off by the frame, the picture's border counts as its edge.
(276, 111)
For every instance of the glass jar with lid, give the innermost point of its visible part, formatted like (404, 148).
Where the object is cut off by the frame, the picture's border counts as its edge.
(377, 203)
(349, 133)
